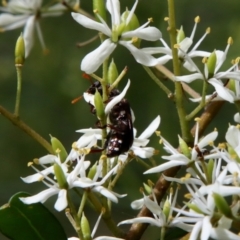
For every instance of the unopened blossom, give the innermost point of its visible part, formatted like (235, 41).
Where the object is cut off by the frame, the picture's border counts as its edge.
(19, 13)
(94, 232)
(94, 59)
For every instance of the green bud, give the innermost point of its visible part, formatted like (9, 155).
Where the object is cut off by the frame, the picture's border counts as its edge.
(147, 188)
(133, 23)
(99, 9)
(85, 228)
(231, 85)
(112, 72)
(60, 176)
(210, 167)
(222, 205)
(92, 171)
(20, 51)
(166, 208)
(59, 149)
(211, 64)
(180, 35)
(99, 105)
(184, 147)
(194, 208)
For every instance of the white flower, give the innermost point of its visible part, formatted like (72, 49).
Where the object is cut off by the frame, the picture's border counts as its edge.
(53, 189)
(159, 218)
(184, 45)
(140, 142)
(93, 60)
(204, 211)
(76, 178)
(178, 159)
(215, 80)
(86, 141)
(18, 13)
(233, 138)
(84, 182)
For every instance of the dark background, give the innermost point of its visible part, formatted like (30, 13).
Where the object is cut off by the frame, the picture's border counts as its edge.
(51, 82)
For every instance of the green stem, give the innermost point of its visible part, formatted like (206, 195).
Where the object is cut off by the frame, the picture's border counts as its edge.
(201, 105)
(106, 216)
(23, 126)
(143, 163)
(75, 216)
(157, 81)
(83, 202)
(163, 232)
(19, 89)
(185, 130)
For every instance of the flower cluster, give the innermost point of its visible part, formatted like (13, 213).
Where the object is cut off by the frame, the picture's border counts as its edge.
(212, 174)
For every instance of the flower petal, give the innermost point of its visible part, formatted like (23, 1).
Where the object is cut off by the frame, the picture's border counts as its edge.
(61, 202)
(94, 59)
(151, 128)
(40, 197)
(149, 34)
(223, 92)
(139, 55)
(28, 34)
(117, 99)
(91, 24)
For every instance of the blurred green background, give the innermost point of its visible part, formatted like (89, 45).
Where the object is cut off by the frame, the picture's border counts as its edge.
(51, 82)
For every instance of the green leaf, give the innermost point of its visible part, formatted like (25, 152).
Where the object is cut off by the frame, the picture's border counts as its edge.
(19, 221)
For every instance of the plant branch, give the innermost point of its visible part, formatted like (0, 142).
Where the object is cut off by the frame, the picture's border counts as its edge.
(29, 131)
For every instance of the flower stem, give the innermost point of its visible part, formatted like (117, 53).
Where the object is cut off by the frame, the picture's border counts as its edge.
(185, 130)
(29, 131)
(83, 202)
(75, 216)
(157, 81)
(19, 89)
(201, 105)
(106, 216)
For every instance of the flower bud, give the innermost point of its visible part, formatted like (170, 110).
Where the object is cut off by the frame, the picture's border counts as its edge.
(210, 167)
(20, 51)
(99, 9)
(211, 64)
(59, 149)
(166, 208)
(92, 171)
(112, 72)
(231, 85)
(194, 208)
(98, 102)
(147, 188)
(85, 228)
(60, 176)
(132, 24)
(180, 35)
(222, 205)
(184, 147)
